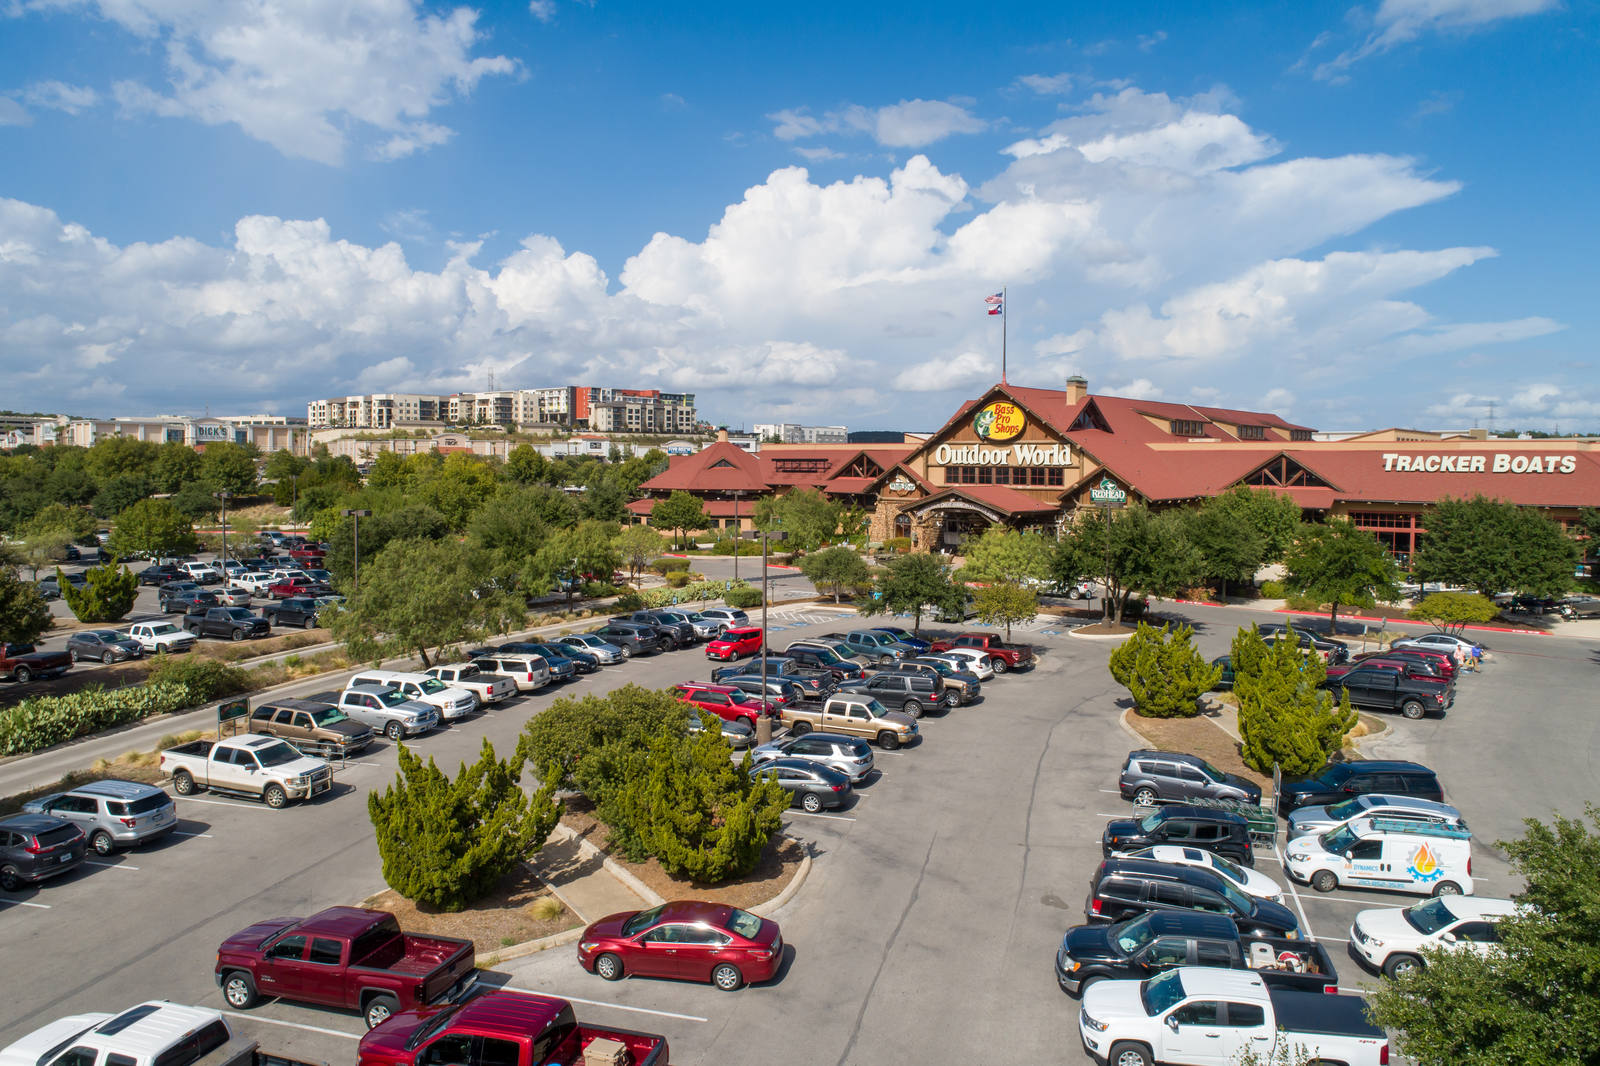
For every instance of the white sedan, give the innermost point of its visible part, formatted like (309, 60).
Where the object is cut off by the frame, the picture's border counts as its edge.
(1392, 940)
(971, 660)
(1249, 882)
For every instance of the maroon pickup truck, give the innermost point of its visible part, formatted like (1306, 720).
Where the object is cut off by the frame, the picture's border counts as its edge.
(504, 1029)
(22, 664)
(344, 957)
(1002, 656)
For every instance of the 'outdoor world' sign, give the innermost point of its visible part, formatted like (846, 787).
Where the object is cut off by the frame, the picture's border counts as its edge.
(1107, 493)
(1015, 455)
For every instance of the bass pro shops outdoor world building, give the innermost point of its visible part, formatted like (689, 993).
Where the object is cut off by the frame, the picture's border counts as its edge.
(1029, 458)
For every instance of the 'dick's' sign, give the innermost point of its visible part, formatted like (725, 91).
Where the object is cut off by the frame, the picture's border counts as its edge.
(1497, 463)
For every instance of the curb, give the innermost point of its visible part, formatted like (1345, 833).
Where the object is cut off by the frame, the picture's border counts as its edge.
(1077, 632)
(1410, 621)
(776, 903)
(610, 865)
(533, 947)
(1123, 720)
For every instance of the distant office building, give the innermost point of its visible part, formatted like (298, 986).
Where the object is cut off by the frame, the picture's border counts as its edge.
(270, 433)
(790, 433)
(604, 410)
(375, 411)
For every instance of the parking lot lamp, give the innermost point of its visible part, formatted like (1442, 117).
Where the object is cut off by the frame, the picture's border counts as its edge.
(223, 496)
(355, 533)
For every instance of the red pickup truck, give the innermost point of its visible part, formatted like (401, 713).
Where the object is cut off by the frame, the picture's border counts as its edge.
(1003, 656)
(344, 957)
(22, 663)
(504, 1029)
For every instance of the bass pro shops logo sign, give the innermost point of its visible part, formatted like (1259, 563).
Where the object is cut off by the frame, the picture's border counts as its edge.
(999, 421)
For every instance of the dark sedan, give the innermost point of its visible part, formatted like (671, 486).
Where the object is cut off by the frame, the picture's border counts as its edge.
(585, 662)
(103, 645)
(187, 600)
(811, 785)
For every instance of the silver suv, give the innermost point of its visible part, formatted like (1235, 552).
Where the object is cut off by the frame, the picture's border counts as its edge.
(725, 618)
(851, 756)
(1150, 777)
(112, 814)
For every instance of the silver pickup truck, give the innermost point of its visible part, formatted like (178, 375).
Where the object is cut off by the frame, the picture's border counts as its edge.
(263, 768)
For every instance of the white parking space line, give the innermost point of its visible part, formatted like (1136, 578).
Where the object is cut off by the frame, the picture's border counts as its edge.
(180, 833)
(1113, 791)
(224, 803)
(293, 1025)
(1363, 902)
(25, 903)
(834, 817)
(616, 1006)
(1305, 923)
(110, 865)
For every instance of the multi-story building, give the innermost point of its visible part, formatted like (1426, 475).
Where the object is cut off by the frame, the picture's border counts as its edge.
(634, 410)
(790, 433)
(375, 410)
(270, 433)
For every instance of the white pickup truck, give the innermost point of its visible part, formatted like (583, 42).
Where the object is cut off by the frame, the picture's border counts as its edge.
(383, 710)
(265, 768)
(158, 638)
(1196, 1016)
(489, 688)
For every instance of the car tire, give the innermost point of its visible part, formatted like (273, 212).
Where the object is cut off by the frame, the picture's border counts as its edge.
(1145, 797)
(236, 635)
(1128, 1053)
(727, 977)
(811, 803)
(22, 675)
(1324, 881)
(394, 731)
(888, 741)
(1411, 709)
(72, 653)
(239, 990)
(101, 842)
(182, 783)
(627, 652)
(951, 701)
(1447, 888)
(912, 707)
(10, 879)
(308, 623)
(609, 967)
(1401, 964)
(275, 797)
(379, 1009)
(800, 729)
(999, 666)
(107, 659)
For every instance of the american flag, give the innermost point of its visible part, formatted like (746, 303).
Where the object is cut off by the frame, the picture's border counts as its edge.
(997, 303)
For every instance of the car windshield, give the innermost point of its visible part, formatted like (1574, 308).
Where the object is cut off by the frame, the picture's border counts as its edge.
(431, 686)
(162, 629)
(1338, 841)
(1336, 775)
(239, 613)
(826, 655)
(940, 667)
(744, 923)
(390, 698)
(1347, 808)
(1228, 869)
(1160, 994)
(1240, 902)
(642, 920)
(105, 634)
(1132, 935)
(1430, 917)
(433, 1025)
(464, 673)
(276, 754)
(1211, 771)
(1150, 821)
(876, 709)
(328, 716)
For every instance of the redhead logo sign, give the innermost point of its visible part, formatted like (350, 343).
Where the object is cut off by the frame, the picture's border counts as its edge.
(999, 421)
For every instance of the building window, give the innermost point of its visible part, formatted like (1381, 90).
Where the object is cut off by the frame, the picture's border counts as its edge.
(1299, 434)
(801, 466)
(1252, 432)
(1038, 476)
(1185, 427)
(902, 525)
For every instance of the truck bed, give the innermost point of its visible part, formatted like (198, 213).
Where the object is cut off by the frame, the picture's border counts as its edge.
(199, 749)
(411, 954)
(1319, 1014)
(644, 1049)
(1317, 976)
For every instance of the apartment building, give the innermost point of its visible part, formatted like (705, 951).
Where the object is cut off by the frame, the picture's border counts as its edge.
(604, 410)
(375, 410)
(790, 433)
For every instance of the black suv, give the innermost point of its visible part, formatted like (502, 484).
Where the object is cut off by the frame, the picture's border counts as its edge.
(1333, 652)
(678, 634)
(1125, 888)
(1150, 777)
(825, 659)
(1220, 832)
(1358, 777)
(632, 639)
(910, 693)
(34, 847)
(956, 688)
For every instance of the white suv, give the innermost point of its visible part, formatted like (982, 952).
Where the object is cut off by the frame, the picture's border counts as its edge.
(1392, 940)
(451, 702)
(152, 1032)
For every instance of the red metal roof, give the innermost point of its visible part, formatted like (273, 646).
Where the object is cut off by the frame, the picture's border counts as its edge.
(997, 497)
(721, 467)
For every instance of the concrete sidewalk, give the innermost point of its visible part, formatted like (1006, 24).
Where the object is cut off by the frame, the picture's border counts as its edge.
(591, 885)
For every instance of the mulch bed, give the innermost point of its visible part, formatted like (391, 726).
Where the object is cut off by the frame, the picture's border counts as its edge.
(775, 870)
(1202, 737)
(500, 919)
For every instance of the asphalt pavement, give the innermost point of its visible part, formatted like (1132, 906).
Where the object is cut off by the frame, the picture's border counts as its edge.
(927, 929)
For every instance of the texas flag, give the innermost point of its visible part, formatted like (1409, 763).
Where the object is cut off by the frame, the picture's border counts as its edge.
(997, 303)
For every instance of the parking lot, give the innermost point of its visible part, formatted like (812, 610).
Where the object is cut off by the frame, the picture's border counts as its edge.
(927, 928)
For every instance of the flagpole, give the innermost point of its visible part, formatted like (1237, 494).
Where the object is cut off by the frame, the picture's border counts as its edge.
(1003, 317)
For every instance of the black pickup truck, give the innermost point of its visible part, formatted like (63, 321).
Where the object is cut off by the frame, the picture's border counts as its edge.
(1390, 685)
(295, 611)
(1151, 943)
(231, 623)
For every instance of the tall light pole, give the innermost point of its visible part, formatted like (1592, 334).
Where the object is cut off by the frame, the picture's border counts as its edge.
(223, 496)
(738, 532)
(764, 722)
(355, 532)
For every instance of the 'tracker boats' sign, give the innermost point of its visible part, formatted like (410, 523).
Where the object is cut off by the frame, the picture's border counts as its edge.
(1498, 463)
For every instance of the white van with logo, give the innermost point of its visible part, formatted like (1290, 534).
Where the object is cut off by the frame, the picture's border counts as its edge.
(1383, 853)
(451, 702)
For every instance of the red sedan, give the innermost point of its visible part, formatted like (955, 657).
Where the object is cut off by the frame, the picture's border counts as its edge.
(686, 939)
(734, 644)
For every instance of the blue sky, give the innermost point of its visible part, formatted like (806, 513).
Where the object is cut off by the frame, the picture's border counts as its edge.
(1354, 216)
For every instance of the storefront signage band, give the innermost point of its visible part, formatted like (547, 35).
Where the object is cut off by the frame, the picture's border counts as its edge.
(1499, 463)
(1015, 455)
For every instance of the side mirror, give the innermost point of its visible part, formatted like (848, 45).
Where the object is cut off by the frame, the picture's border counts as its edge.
(1172, 1022)
(1448, 938)
(1349, 855)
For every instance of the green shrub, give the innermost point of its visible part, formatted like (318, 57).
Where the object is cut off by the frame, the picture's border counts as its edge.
(1453, 611)
(677, 579)
(106, 596)
(48, 720)
(444, 842)
(669, 563)
(628, 602)
(1163, 671)
(1272, 590)
(1284, 716)
(1302, 603)
(207, 678)
(742, 598)
(595, 590)
(898, 545)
